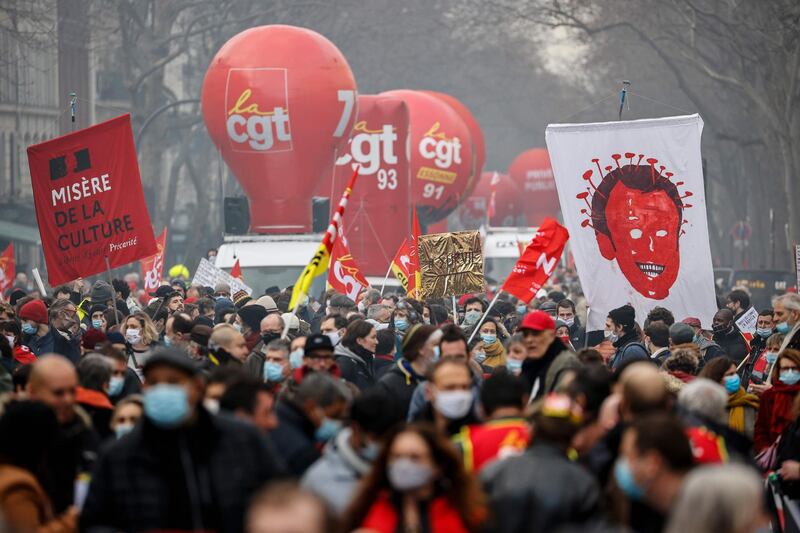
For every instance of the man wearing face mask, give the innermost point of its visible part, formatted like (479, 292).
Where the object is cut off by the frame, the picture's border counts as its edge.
(451, 397)
(347, 458)
(53, 331)
(787, 316)
(309, 416)
(334, 326)
(566, 313)
(271, 328)
(181, 468)
(473, 311)
(758, 346)
(178, 330)
(621, 331)
(728, 337)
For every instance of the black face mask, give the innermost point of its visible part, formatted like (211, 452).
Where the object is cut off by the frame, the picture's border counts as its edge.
(723, 329)
(270, 336)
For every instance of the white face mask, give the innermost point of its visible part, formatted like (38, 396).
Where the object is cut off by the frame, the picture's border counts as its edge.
(10, 339)
(405, 474)
(133, 335)
(211, 405)
(453, 404)
(334, 337)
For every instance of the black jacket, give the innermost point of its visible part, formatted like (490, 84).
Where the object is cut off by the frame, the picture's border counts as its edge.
(541, 490)
(733, 344)
(75, 453)
(294, 438)
(629, 348)
(381, 365)
(398, 384)
(195, 478)
(355, 367)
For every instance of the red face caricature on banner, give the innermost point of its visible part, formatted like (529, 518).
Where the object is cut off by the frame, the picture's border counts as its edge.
(532, 172)
(89, 201)
(279, 103)
(441, 155)
(379, 145)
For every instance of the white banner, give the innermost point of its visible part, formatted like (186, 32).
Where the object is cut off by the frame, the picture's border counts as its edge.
(747, 322)
(208, 275)
(632, 198)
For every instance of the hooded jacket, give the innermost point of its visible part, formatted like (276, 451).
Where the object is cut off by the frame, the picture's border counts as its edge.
(355, 368)
(399, 384)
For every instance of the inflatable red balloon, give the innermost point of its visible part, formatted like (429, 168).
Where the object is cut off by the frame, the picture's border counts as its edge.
(279, 102)
(508, 204)
(441, 154)
(478, 142)
(531, 171)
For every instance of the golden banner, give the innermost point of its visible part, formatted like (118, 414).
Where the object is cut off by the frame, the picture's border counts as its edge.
(450, 264)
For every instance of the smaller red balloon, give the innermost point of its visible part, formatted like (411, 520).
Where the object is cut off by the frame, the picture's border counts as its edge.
(508, 206)
(532, 172)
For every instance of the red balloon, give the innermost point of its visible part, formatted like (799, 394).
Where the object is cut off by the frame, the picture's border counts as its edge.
(441, 154)
(478, 142)
(531, 171)
(279, 102)
(509, 206)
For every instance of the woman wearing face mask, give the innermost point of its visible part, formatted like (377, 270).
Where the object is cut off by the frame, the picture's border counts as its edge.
(775, 412)
(761, 369)
(517, 353)
(742, 406)
(127, 413)
(493, 348)
(417, 484)
(140, 337)
(11, 331)
(356, 353)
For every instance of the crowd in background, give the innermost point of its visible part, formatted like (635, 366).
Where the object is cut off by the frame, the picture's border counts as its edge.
(195, 408)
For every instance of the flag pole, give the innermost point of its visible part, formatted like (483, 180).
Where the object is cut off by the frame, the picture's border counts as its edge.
(113, 291)
(39, 283)
(477, 326)
(455, 311)
(386, 278)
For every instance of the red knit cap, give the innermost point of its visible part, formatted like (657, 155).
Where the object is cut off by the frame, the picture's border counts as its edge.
(34, 310)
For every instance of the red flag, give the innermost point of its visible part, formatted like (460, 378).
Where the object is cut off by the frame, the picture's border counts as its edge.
(153, 266)
(7, 270)
(414, 279)
(401, 264)
(89, 201)
(538, 261)
(236, 271)
(344, 275)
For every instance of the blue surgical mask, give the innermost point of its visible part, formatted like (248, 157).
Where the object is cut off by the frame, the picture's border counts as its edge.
(273, 371)
(783, 328)
(296, 358)
(771, 357)
(400, 324)
(370, 451)
(790, 377)
(167, 341)
(28, 329)
(327, 429)
(488, 339)
(568, 321)
(732, 383)
(763, 332)
(166, 405)
(514, 365)
(97, 324)
(123, 429)
(522, 309)
(625, 481)
(237, 327)
(472, 317)
(437, 352)
(115, 385)
(480, 357)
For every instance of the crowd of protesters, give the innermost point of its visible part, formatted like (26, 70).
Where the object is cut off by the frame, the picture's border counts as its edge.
(193, 408)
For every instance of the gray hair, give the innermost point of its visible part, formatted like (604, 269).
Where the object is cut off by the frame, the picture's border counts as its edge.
(374, 310)
(322, 389)
(372, 296)
(718, 498)
(94, 372)
(705, 398)
(791, 301)
(280, 345)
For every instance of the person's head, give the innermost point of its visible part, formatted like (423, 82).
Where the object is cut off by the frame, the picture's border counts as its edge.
(681, 333)
(419, 344)
(620, 322)
(62, 292)
(173, 388)
(488, 331)
(683, 358)
(643, 390)
(722, 370)
(179, 330)
(654, 453)
(386, 343)
(54, 381)
(450, 388)
(419, 462)
(474, 308)
(318, 353)
(340, 304)
(226, 337)
(539, 332)
(453, 343)
(774, 342)
(139, 329)
(127, 414)
(30, 429)
(284, 507)
(565, 311)
(324, 400)
(34, 317)
(787, 312)
(503, 394)
(250, 400)
(174, 302)
(370, 420)
(764, 323)
(94, 373)
(334, 326)
(276, 361)
(205, 307)
(362, 335)
(97, 316)
(706, 399)
(271, 327)
(722, 323)
(660, 314)
(787, 368)
(738, 301)
(517, 353)
(158, 313)
(248, 318)
(379, 313)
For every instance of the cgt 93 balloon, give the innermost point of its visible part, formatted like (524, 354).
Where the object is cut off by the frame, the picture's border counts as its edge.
(279, 103)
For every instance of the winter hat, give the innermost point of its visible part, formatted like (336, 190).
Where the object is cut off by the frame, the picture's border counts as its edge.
(34, 310)
(92, 338)
(252, 316)
(115, 337)
(222, 288)
(241, 298)
(624, 316)
(292, 320)
(200, 335)
(268, 303)
(97, 308)
(16, 294)
(221, 307)
(101, 292)
(681, 333)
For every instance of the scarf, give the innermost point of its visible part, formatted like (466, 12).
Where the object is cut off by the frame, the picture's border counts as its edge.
(736, 406)
(495, 354)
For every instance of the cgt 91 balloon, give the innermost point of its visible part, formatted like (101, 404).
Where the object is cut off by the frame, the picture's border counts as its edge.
(279, 103)
(532, 172)
(441, 154)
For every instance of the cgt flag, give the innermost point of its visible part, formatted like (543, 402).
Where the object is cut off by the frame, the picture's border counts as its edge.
(319, 263)
(7, 270)
(401, 264)
(153, 266)
(89, 201)
(344, 275)
(538, 261)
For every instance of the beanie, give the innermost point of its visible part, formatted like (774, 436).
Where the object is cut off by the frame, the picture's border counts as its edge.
(240, 298)
(101, 292)
(92, 338)
(34, 310)
(252, 316)
(623, 316)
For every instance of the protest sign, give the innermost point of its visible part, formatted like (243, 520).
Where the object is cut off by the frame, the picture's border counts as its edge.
(153, 266)
(450, 264)
(344, 275)
(747, 322)
(207, 275)
(633, 200)
(89, 201)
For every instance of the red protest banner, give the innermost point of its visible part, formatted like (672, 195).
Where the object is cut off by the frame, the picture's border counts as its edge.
(7, 270)
(153, 266)
(89, 201)
(344, 275)
(538, 261)
(401, 264)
